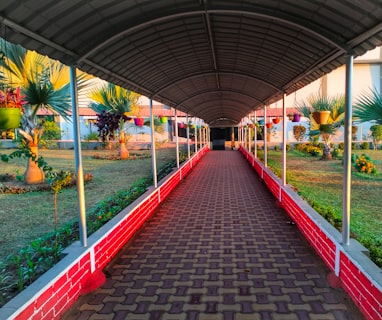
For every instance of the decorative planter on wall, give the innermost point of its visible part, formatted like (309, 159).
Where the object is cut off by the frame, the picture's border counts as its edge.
(163, 119)
(139, 122)
(10, 118)
(276, 120)
(260, 122)
(321, 117)
(269, 125)
(296, 117)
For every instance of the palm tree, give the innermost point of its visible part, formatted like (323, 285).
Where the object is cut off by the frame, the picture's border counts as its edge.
(336, 107)
(114, 106)
(368, 108)
(45, 83)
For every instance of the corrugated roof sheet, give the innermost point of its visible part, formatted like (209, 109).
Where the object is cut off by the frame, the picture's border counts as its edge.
(215, 59)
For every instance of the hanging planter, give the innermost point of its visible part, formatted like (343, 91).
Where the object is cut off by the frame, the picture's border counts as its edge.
(321, 117)
(251, 125)
(260, 122)
(11, 108)
(139, 122)
(296, 117)
(290, 116)
(276, 120)
(181, 125)
(193, 126)
(163, 119)
(10, 118)
(269, 125)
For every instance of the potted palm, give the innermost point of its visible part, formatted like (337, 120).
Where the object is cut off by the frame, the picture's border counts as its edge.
(336, 107)
(11, 108)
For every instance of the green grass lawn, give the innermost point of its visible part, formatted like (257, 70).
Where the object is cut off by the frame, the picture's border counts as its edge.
(25, 217)
(321, 182)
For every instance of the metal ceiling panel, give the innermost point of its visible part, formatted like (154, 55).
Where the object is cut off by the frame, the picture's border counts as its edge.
(215, 59)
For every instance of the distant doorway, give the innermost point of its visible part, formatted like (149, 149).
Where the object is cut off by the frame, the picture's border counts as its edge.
(219, 137)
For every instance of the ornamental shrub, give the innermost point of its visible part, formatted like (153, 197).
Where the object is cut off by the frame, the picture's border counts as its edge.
(364, 164)
(312, 150)
(365, 145)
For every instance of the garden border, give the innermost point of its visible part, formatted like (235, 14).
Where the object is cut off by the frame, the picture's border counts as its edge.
(81, 269)
(351, 267)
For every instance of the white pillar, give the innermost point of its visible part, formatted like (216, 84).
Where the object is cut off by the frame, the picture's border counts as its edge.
(176, 139)
(265, 137)
(153, 153)
(346, 192)
(284, 142)
(188, 138)
(255, 142)
(196, 136)
(78, 158)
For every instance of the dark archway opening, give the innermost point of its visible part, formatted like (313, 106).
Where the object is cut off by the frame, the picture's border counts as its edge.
(219, 137)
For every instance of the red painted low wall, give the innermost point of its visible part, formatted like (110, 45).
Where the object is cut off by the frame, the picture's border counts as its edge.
(359, 276)
(55, 291)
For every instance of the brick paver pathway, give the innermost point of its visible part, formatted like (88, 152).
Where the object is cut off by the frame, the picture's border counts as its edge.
(218, 248)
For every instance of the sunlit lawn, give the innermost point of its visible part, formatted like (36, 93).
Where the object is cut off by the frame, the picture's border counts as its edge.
(25, 217)
(321, 182)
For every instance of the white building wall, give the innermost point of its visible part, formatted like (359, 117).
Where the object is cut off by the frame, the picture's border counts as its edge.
(366, 76)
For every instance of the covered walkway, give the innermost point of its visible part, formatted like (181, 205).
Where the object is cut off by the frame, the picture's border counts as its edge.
(218, 248)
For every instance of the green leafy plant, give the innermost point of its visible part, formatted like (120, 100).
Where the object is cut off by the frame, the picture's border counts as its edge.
(364, 145)
(376, 134)
(58, 180)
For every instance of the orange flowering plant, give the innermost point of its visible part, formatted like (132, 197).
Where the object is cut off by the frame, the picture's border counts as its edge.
(12, 98)
(363, 164)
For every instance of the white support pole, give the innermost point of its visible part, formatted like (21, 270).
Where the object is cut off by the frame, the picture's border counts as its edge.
(201, 137)
(255, 141)
(196, 136)
(249, 139)
(284, 142)
(265, 137)
(153, 152)
(176, 139)
(78, 158)
(346, 192)
(188, 138)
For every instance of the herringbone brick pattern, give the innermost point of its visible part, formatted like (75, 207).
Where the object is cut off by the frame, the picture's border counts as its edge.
(218, 248)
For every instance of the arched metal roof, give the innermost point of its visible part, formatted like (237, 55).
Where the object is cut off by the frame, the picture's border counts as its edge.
(215, 59)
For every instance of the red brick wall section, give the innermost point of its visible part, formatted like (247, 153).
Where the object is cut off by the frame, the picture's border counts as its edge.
(271, 183)
(324, 245)
(367, 296)
(63, 292)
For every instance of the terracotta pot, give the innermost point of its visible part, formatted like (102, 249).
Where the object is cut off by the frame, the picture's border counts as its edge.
(33, 174)
(321, 117)
(10, 118)
(139, 122)
(276, 120)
